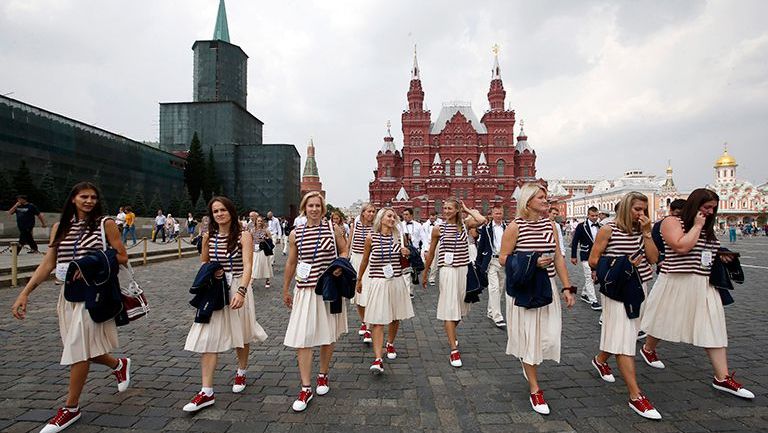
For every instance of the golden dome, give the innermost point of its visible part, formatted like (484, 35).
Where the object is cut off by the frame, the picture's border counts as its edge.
(725, 160)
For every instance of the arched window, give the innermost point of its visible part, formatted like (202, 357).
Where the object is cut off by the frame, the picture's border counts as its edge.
(447, 167)
(500, 167)
(416, 168)
(459, 168)
(470, 172)
(388, 171)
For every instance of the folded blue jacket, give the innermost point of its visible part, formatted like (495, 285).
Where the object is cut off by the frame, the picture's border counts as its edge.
(334, 288)
(211, 293)
(526, 282)
(620, 281)
(723, 275)
(477, 280)
(99, 287)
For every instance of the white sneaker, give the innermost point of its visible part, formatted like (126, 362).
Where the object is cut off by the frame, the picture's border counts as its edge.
(377, 368)
(538, 403)
(604, 371)
(651, 358)
(322, 387)
(730, 386)
(199, 401)
(644, 408)
(305, 396)
(455, 359)
(239, 384)
(367, 339)
(391, 353)
(63, 419)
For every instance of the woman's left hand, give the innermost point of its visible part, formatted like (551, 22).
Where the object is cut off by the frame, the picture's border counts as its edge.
(237, 301)
(569, 299)
(405, 252)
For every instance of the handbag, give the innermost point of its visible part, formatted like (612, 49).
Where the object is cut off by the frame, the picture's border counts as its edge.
(134, 301)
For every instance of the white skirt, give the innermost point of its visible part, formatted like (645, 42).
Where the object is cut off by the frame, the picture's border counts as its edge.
(360, 298)
(388, 300)
(262, 268)
(453, 289)
(311, 323)
(82, 338)
(228, 328)
(618, 334)
(533, 334)
(685, 308)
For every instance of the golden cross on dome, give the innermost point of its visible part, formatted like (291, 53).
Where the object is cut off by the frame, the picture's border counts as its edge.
(495, 49)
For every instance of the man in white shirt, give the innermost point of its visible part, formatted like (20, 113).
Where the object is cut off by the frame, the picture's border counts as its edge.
(490, 245)
(411, 230)
(159, 225)
(581, 246)
(120, 219)
(426, 240)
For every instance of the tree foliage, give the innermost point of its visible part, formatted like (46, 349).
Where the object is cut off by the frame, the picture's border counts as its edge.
(195, 169)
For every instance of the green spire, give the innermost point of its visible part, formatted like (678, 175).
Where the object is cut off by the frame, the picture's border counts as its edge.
(221, 32)
(310, 167)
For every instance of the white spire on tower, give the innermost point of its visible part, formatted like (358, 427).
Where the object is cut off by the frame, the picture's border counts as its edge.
(496, 71)
(415, 70)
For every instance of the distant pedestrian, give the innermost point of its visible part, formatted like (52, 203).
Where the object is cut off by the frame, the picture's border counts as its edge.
(262, 268)
(581, 246)
(159, 225)
(130, 225)
(362, 226)
(25, 221)
(170, 227)
(191, 224)
(732, 233)
(285, 226)
(120, 219)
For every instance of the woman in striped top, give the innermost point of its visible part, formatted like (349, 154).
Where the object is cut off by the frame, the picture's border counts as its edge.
(235, 325)
(683, 306)
(356, 246)
(533, 335)
(628, 235)
(77, 234)
(450, 241)
(262, 268)
(313, 247)
(388, 298)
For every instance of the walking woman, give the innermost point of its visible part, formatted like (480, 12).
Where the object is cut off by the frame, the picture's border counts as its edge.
(452, 262)
(683, 306)
(628, 235)
(533, 334)
(313, 247)
(235, 325)
(261, 266)
(388, 299)
(356, 246)
(78, 234)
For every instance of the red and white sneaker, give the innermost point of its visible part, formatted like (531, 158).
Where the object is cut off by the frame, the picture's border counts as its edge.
(731, 386)
(644, 408)
(391, 353)
(604, 370)
(650, 357)
(123, 375)
(367, 339)
(305, 396)
(199, 401)
(377, 368)
(63, 419)
(322, 387)
(455, 359)
(538, 403)
(239, 384)
(363, 329)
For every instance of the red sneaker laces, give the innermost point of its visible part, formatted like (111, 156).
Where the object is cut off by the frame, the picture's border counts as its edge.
(304, 395)
(455, 355)
(650, 354)
(643, 403)
(239, 380)
(538, 398)
(322, 380)
(390, 348)
(199, 397)
(730, 381)
(60, 415)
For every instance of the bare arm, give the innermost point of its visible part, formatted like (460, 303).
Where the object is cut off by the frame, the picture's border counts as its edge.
(364, 263)
(349, 240)
(430, 254)
(474, 219)
(43, 271)
(508, 242)
(290, 269)
(677, 239)
(204, 254)
(12, 210)
(40, 217)
(113, 239)
(341, 242)
(246, 242)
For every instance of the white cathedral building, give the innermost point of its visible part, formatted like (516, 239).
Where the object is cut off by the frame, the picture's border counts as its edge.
(740, 200)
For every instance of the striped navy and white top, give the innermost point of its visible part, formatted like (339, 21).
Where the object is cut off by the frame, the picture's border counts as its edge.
(79, 242)
(536, 236)
(384, 250)
(625, 244)
(690, 262)
(454, 241)
(232, 261)
(358, 237)
(315, 246)
(259, 235)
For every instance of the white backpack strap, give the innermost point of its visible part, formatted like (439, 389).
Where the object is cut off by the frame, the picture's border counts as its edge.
(333, 236)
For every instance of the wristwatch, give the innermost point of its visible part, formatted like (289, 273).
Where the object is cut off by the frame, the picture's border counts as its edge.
(571, 289)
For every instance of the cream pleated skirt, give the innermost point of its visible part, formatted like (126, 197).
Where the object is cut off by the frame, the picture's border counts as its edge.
(360, 298)
(533, 334)
(311, 323)
(262, 268)
(618, 334)
(453, 289)
(388, 300)
(82, 338)
(228, 328)
(685, 308)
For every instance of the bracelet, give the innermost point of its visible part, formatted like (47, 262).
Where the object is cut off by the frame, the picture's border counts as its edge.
(571, 289)
(241, 291)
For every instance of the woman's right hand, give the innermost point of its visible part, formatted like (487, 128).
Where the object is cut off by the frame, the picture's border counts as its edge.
(287, 299)
(19, 308)
(700, 219)
(543, 261)
(424, 278)
(359, 286)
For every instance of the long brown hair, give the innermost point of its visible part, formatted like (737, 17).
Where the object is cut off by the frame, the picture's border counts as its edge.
(234, 224)
(691, 208)
(69, 211)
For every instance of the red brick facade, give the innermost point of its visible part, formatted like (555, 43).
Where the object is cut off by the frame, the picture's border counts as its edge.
(456, 156)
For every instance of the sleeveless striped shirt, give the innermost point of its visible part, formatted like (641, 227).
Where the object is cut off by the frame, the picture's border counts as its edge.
(384, 250)
(258, 235)
(358, 237)
(624, 244)
(79, 242)
(451, 240)
(217, 252)
(536, 236)
(690, 262)
(315, 246)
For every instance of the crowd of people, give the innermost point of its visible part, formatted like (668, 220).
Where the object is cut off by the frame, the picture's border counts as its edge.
(372, 260)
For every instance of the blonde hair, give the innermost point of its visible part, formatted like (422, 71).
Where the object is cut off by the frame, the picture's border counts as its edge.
(624, 214)
(380, 216)
(309, 195)
(364, 208)
(528, 192)
(459, 219)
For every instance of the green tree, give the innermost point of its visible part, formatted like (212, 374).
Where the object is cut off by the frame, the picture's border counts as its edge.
(66, 187)
(201, 208)
(174, 207)
(194, 171)
(155, 204)
(125, 197)
(211, 184)
(22, 182)
(6, 195)
(49, 190)
(185, 206)
(139, 205)
(331, 208)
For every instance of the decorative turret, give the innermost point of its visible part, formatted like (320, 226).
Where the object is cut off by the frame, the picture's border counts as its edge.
(525, 156)
(310, 181)
(437, 166)
(415, 93)
(496, 94)
(669, 183)
(389, 142)
(482, 165)
(725, 167)
(221, 32)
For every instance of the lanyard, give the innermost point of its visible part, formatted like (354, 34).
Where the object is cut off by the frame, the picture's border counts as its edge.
(317, 244)
(74, 247)
(216, 253)
(389, 247)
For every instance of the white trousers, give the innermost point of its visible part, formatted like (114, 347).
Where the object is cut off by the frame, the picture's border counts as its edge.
(496, 287)
(589, 286)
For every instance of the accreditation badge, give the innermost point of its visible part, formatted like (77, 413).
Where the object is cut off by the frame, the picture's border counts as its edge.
(448, 258)
(389, 271)
(706, 258)
(61, 271)
(303, 269)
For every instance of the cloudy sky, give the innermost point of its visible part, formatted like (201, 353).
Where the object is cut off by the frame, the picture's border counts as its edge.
(603, 86)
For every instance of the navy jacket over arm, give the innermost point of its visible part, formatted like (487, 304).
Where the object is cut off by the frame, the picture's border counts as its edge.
(211, 293)
(723, 275)
(620, 281)
(582, 241)
(334, 288)
(99, 287)
(485, 245)
(526, 282)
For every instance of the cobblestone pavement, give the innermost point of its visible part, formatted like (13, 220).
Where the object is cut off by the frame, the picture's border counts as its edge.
(419, 392)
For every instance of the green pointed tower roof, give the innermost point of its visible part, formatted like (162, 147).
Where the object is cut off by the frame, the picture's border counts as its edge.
(310, 167)
(221, 32)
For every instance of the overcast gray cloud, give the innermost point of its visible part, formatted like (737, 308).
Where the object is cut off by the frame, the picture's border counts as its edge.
(602, 86)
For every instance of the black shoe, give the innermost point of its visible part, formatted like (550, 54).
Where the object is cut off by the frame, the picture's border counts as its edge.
(501, 324)
(596, 306)
(641, 335)
(586, 299)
